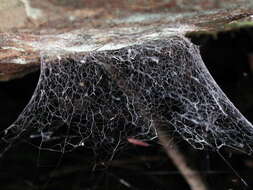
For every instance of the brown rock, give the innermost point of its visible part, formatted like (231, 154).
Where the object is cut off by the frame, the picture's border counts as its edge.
(12, 14)
(93, 26)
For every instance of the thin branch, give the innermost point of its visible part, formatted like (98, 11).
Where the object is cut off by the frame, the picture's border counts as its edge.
(192, 176)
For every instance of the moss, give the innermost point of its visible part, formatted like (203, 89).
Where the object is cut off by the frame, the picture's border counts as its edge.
(239, 25)
(201, 36)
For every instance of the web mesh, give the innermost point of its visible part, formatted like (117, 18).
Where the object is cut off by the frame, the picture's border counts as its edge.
(100, 99)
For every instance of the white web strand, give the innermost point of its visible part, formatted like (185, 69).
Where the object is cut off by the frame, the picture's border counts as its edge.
(100, 99)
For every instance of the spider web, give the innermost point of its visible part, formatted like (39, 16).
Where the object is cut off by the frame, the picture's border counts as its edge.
(100, 99)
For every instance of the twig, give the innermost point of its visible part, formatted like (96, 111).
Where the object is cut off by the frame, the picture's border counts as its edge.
(193, 177)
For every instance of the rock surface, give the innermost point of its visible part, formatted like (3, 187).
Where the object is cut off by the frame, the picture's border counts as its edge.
(85, 26)
(10, 10)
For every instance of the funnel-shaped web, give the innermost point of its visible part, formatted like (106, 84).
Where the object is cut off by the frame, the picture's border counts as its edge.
(100, 99)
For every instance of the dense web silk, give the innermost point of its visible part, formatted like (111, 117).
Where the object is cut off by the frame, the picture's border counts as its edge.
(100, 99)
